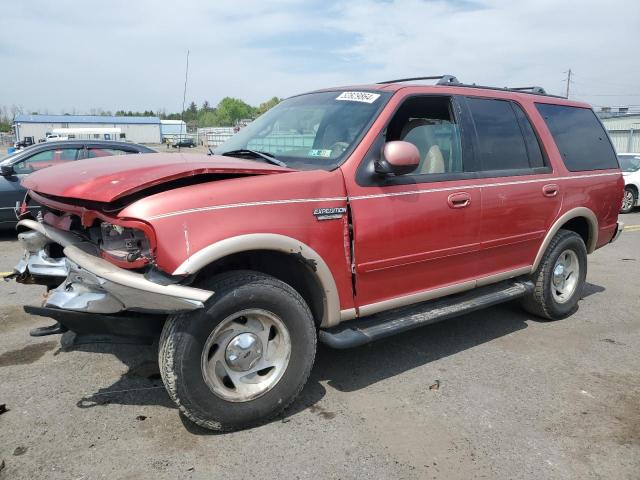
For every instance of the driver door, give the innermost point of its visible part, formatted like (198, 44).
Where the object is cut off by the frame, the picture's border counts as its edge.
(416, 236)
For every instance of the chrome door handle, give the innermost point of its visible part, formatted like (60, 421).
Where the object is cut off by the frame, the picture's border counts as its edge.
(550, 190)
(459, 200)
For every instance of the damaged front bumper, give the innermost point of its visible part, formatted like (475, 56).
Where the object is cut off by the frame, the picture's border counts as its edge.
(91, 284)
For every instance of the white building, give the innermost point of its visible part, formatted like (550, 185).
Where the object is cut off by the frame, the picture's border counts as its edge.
(624, 131)
(132, 129)
(173, 129)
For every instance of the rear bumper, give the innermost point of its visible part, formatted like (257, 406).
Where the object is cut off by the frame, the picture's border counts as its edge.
(618, 232)
(92, 284)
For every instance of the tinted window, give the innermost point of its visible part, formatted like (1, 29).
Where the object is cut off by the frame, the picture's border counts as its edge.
(580, 137)
(500, 142)
(530, 139)
(106, 152)
(45, 159)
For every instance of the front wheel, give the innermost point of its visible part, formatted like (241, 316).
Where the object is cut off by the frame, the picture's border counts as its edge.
(242, 359)
(628, 200)
(560, 277)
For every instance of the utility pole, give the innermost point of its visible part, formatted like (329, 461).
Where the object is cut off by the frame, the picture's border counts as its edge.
(184, 98)
(568, 83)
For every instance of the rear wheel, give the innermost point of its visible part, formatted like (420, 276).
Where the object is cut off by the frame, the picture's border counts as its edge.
(628, 200)
(243, 358)
(560, 278)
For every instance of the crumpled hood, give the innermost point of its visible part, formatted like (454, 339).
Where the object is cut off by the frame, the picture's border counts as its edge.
(106, 179)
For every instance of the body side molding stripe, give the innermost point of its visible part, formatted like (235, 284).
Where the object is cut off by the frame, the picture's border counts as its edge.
(247, 204)
(366, 197)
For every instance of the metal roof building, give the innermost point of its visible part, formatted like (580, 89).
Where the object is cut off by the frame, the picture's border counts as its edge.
(134, 129)
(624, 131)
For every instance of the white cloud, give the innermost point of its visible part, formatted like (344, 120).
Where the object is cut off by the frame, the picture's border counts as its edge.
(124, 54)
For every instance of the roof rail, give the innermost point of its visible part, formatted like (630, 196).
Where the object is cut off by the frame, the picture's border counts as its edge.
(442, 80)
(538, 90)
(453, 81)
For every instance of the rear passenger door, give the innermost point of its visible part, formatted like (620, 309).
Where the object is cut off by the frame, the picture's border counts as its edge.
(520, 198)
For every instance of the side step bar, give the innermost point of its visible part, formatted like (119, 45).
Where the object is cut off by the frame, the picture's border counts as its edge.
(354, 333)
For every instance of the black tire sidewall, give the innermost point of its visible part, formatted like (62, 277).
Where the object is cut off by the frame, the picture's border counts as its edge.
(571, 242)
(194, 329)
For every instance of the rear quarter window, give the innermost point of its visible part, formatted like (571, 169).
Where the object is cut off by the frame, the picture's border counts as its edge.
(579, 136)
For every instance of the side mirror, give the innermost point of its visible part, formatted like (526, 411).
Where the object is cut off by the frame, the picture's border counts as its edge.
(7, 170)
(399, 158)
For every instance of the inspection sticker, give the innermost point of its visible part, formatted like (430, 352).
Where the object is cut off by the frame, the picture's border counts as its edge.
(364, 97)
(320, 153)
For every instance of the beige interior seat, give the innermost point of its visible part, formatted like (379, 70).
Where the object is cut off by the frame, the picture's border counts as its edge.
(418, 132)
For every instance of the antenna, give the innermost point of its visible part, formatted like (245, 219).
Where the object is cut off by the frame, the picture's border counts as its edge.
(184, 99)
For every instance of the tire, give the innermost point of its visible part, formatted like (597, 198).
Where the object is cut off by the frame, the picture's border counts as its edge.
(202, 383)
(629, 200)
(546, 301)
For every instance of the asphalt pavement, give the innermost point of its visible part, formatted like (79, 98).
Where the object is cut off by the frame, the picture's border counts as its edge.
(496, 394)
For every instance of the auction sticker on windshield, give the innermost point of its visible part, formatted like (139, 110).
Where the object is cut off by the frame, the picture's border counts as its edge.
(365, 97)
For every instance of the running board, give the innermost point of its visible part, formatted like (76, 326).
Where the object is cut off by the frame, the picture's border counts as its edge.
(354, 333)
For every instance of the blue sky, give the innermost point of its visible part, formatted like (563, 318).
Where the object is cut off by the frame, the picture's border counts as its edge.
(71, 55)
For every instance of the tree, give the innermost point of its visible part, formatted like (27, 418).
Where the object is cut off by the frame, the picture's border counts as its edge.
(230, 110)
(268, 104)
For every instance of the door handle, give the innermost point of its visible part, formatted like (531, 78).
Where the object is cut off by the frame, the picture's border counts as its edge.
(459, 200)
(550, 190)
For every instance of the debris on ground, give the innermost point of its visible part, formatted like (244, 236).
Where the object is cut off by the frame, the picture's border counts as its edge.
(19, 451)
(435, 386)
(3, 408)
(1, 465)
(141, 418)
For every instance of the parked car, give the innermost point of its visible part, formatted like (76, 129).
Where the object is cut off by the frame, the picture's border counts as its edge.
(15, 167)
(185, 143)
(630, 165)
(342, 215)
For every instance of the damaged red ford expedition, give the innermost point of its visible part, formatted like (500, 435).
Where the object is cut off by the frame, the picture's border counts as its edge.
(344, 215)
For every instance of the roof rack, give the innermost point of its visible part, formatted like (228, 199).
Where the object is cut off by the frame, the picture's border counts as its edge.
(442, 80)
(453, 81)
(538, 90)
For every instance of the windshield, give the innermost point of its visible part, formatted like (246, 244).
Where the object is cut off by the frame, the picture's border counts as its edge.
(629, 163)
(316, 130)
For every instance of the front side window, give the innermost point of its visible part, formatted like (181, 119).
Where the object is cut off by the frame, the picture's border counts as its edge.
(499, 139)
(428, 123)
(316, 130)
(579, 136)
(46, 159)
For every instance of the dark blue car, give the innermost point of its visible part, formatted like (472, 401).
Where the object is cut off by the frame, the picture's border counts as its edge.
(16, 166)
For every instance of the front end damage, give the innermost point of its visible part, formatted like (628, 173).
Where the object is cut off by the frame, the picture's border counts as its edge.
(83, 277)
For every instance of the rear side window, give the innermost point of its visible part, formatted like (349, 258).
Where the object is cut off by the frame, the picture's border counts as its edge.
(106, 152)
(580, 137)
(501, 145)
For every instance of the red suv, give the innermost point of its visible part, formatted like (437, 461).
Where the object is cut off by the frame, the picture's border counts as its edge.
(344, 215)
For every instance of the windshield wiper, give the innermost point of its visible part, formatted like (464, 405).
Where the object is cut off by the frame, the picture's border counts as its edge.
(263, 155)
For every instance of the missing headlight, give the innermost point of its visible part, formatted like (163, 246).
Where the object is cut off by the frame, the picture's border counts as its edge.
(124, 244)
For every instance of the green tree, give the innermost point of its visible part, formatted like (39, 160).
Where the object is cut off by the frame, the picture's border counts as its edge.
(268, 104)
(230, 110)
